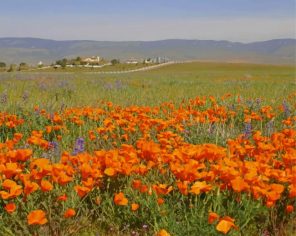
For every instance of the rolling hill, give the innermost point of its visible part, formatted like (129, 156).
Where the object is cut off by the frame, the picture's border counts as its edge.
(33, 50)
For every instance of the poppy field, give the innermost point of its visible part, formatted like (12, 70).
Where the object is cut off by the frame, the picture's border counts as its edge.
(211, 164)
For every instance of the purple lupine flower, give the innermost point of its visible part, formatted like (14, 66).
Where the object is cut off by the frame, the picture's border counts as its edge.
(286, 108)
(232, 107)
(79, 146)
(258, 103)
(55, 147)
(269, 127)
(63, 107)
(211, 128)
(248, 130)
(249, 103)
(108, 86)
(118, 84)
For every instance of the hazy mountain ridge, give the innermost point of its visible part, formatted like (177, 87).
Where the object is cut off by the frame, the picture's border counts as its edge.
(33, 50)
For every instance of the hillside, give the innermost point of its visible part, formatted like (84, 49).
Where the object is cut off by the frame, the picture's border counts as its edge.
(33, 50)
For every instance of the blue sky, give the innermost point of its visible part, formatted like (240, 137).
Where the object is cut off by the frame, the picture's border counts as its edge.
(235, 20)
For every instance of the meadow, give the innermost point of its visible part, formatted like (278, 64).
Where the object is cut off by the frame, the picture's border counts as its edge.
(189, 149)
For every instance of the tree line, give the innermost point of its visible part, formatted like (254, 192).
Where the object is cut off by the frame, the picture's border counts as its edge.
(13, 67)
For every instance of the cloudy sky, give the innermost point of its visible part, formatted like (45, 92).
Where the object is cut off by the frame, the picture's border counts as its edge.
(117, 20)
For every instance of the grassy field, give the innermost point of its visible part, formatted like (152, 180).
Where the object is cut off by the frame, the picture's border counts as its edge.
(187, 149)
(52, 90)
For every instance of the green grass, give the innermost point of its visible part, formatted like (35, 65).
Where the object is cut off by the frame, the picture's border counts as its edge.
(52, 90)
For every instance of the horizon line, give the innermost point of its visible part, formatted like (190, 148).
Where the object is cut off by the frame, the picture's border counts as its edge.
(166, 39)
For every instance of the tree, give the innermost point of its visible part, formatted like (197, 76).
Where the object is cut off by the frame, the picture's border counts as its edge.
(62, 62)
(12, 68)
(114, 62)
(23, 66)
(2, 64)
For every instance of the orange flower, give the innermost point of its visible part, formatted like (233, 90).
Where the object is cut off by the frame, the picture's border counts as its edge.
(62, 198)
(225, 224)
(120, 200)
(135, 206)
(46, 186)
(137, 184)
(110, 171)
(183, 187)
(238, 184)
(144, 188)
(162, 232)
(162, 189)
(98, 200)
(289, 209)
(81, 190)
(30, 187)
(69, 213)
(37, 217)
(10, 207)
(212, 217)
(14, 189)
(160, 201)
(199, 187)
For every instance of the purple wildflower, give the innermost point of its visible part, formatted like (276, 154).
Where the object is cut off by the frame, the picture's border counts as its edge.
(211, 128)
(258, 103)
(79, 146)
(286, 108)
(269, 127)
(248, 130)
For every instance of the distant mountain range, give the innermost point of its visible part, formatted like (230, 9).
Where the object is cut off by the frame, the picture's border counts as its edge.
(33, 50)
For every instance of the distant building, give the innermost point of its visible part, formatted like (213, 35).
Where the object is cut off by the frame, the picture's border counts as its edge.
(132, 61)
(159, 60)
(91, 60)
(148, 61)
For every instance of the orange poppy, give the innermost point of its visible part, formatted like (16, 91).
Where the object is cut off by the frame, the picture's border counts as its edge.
(183, 187)
(110, 171)
(225, 224)
(136, 184)
(199, 187)
(162, 232)
(14, 190)
(30, 187)
(62, 198)
(212, 217)
(10, 207)
(81, 190)
(135, 206)
(37, 217)
(46, 186)
(160, 201)
(120, 199)
(289, 209)
(69, 213)
(238, 184)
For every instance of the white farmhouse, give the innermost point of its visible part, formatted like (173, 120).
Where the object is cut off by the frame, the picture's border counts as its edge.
(91, 60)
(132, 61)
